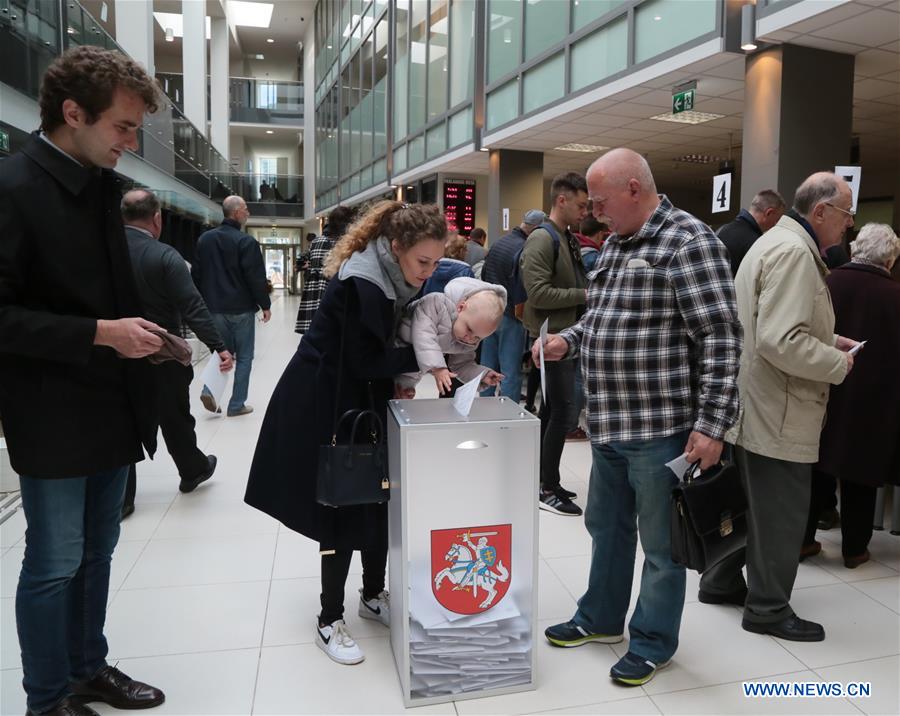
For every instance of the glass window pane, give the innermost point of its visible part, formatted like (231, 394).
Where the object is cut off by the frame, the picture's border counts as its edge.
(436, 140)
(460, 128)
(380, 89)
(401, 70)
(660, 25)
(462, 58)
(418, 38)
(366, 105)
(546, 23)
(600, 54)
(379, 171)
(544, 83)
(504, 41)
(586, 11)
(399, 159)
(437, 60)
(417, 150)
(503, 104)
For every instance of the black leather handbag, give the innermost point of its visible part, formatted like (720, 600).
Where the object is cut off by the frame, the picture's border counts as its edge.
(353, 472)
(709, 516)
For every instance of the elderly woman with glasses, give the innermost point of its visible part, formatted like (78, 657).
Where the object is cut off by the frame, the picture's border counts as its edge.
(860, 444)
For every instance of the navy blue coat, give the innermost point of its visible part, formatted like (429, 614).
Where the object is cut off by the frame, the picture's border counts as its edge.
(301, 413)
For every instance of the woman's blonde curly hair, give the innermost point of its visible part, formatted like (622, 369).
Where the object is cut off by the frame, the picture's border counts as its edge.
(407, 224)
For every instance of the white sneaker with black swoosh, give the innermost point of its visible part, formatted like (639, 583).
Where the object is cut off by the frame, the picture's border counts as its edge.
(335, 640)
(377, 608)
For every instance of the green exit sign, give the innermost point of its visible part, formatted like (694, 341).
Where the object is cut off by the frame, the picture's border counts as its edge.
(4, 141)
(682, 101)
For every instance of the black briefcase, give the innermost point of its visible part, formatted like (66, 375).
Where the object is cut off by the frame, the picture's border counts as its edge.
(709, 516)
(355, 472)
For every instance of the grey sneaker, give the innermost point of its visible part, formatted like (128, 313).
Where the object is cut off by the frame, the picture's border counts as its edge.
(558, 504)
(243, 410)
(378, 608)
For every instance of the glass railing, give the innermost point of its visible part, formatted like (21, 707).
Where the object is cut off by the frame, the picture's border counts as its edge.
(266, 101)
(272, 194)
(250, 100)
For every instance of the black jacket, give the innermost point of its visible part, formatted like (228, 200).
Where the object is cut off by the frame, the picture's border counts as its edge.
(69, 408)
(501, 266)
(738, 236)
(165, 288)
(301, 413)
(229, 271)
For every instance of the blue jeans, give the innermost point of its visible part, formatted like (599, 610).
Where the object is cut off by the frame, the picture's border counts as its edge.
(629, 494)
(72, 530)
(503, 351)
(238, 331)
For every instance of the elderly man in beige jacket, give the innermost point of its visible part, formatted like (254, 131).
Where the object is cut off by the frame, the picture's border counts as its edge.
(791, 357)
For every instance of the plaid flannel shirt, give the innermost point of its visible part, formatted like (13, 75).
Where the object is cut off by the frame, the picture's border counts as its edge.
(660, 341)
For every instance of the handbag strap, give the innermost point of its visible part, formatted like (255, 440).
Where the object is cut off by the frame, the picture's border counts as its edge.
(337, 390)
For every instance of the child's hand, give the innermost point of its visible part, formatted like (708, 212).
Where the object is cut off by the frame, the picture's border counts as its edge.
(403, 393)
(444, 379)
(492, 377)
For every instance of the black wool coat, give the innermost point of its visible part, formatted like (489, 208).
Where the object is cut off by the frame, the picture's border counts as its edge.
(69, 408)
(300, 415)
(738, 236)
(861, 438)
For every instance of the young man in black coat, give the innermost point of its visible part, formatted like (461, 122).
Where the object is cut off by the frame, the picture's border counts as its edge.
(77, 407)
(169, 297)
(738, 235)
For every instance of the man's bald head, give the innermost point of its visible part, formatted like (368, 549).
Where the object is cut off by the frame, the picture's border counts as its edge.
(235, 208)
(622, 190)
(141, 208)
(825, 200)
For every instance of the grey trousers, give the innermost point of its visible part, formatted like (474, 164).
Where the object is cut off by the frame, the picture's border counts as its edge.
(778, 494)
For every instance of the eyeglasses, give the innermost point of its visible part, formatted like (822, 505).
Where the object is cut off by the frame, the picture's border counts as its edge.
(848, 212)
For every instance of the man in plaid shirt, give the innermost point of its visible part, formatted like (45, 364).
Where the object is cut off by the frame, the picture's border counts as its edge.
(659, 346)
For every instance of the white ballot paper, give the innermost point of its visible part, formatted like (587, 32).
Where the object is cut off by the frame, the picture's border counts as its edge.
(679, 465)
(541, 351)
(853, 351)
(213, 378)
(466, 394)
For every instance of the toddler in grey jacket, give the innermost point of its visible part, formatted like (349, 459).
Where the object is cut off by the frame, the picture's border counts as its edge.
(452, 323)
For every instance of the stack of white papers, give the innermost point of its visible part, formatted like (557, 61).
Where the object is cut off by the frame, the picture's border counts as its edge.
(457, 653)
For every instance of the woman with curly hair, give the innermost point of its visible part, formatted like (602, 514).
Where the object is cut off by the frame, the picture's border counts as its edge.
(377, 268)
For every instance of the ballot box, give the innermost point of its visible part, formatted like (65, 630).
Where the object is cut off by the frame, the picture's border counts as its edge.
(463, 548)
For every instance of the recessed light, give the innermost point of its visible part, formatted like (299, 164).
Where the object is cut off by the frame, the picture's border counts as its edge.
(688, 117)
(270, 40)
(575, 147)
(749, 46)
(270, 131)
(658, 18)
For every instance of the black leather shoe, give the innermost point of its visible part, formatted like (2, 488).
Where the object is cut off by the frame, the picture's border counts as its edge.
(113, 687)
(127, 510)
(793, 629)
(69, 706)
(191, 485)
(737, 597)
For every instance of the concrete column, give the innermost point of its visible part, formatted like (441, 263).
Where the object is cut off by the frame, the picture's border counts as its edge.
(798, 113)
(218, 90)
(516, 182)
(134, 31)
(193, 48)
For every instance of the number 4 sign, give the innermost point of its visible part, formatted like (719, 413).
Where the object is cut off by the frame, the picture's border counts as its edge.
(721, 193)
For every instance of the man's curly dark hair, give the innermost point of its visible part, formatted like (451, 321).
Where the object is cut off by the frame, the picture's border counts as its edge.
(90, 77)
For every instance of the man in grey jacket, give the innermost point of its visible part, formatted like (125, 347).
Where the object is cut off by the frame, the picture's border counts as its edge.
(168, 294)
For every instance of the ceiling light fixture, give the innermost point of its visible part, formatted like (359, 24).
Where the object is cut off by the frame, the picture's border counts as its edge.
(689, 117)
(748, 27)
(576, 147)
(270, 40)
(697, 159)
(270, 131)
(250, 14)
(175, 22)
(658, 18)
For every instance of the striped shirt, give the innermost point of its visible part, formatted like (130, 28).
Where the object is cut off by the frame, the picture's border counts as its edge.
(660, 341)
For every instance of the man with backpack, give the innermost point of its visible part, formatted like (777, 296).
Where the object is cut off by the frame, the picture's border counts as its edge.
(554, 279)
(503, 349)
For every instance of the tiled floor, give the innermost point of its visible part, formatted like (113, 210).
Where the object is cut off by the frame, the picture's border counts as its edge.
(215, 602)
